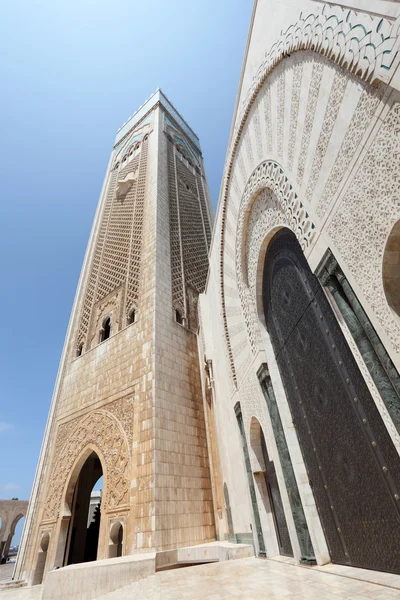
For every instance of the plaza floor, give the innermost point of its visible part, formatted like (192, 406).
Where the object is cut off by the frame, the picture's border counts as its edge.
(250, 579)
(6, 571)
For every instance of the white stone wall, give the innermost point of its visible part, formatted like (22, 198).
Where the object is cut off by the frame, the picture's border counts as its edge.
(314, 147)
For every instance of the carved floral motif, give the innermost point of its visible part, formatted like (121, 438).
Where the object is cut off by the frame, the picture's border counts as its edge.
(372, 205)
(101, 429)
(277, 204)
(366, 46)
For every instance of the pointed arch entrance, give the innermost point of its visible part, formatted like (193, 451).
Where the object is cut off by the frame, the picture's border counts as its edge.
(84, 526)
(353, 467)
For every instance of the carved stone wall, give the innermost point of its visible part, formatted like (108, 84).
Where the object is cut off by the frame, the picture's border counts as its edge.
(371, 204)
(190, 225)
(303, 133)
(317, 144)
(101, 429)
(310, 113)
(116, 260)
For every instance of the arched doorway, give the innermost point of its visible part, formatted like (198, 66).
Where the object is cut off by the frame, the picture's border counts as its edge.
(9, 547)
(84, 525)
(353, 467)
(270, 493)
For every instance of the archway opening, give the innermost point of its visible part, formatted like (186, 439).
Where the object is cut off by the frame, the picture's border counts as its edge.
(391, 269)
(83, 534)
(16, 539)
(10, 545)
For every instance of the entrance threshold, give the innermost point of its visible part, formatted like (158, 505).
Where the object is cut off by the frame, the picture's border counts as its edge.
(388, 580)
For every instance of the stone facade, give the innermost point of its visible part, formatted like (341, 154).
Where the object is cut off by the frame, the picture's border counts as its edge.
(134, 399)
(189, 405)
(313, 149)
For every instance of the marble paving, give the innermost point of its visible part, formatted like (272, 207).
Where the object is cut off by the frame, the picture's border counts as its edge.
(6, 571)
(249, 579)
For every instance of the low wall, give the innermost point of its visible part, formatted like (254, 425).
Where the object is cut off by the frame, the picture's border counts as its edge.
(92, 579)
(213, 551)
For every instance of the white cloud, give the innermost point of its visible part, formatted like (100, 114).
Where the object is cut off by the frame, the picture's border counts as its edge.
(10, 487)
(5, 426)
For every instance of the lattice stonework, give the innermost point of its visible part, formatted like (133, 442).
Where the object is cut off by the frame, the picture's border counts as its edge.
(176, 256)
(116, 260)
(132, 293)
(190, 234)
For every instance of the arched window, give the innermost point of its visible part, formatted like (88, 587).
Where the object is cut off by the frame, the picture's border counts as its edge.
(105, 331)
(132, 316)
(79, 350)
(178, 317)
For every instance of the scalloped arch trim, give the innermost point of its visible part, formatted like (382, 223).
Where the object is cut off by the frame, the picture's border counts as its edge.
(365, 46)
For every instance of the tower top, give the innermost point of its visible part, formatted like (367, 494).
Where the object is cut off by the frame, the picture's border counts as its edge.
(158, 97)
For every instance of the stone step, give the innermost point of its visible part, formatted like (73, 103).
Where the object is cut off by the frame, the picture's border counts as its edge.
(11, 585)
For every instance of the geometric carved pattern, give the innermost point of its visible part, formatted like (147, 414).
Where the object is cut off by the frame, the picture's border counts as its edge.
(204, 207)
(103, 430)
(316, 78)
(339, 85)
(116, 258)
(189, 217)
(94, 271)
(194, 245)
(364, 46)
(276, 204)
(132, 291)
(123, 411)
(366, 107)
(176, 252)
(372, 204)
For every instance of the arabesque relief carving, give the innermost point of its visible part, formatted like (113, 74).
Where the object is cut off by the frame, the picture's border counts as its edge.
(363, 49)
(268, 200)
(103, 430)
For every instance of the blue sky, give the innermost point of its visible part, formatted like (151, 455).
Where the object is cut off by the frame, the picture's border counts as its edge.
(71, 74)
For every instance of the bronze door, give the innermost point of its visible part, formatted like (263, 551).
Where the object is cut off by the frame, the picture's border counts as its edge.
(352, 464)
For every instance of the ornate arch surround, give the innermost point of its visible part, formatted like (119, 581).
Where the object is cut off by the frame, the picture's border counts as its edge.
(366, 47)
(67, 496)
(101, 432)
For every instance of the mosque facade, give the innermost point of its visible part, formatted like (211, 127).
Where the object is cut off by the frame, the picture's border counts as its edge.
(238, 380)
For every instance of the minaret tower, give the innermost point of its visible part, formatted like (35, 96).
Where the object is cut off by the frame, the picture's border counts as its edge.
(127, 404)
